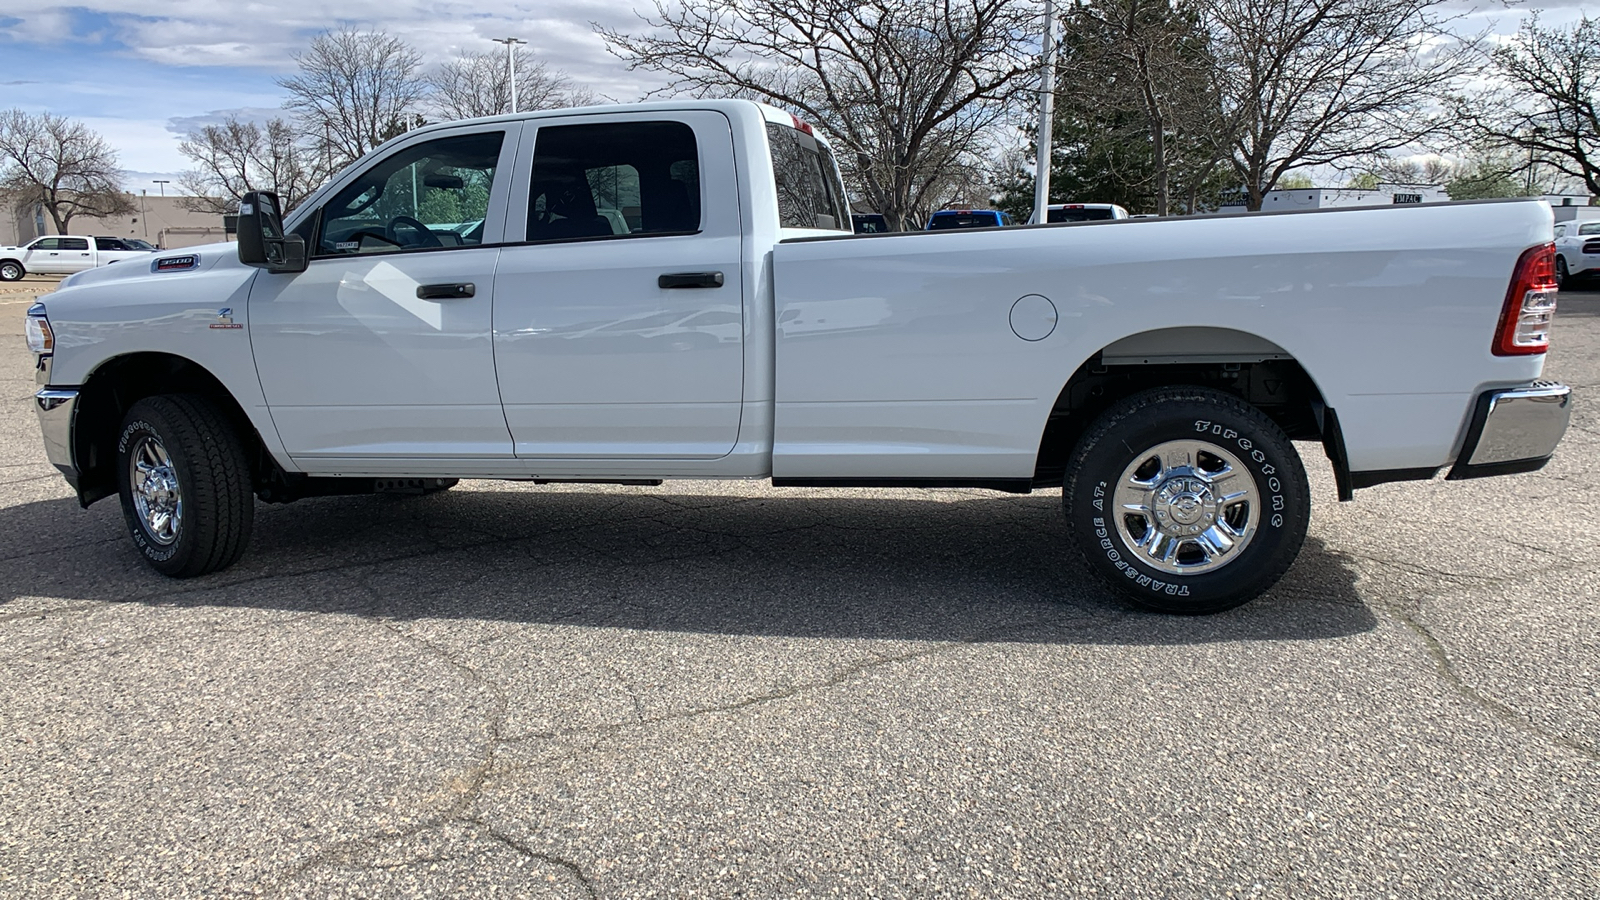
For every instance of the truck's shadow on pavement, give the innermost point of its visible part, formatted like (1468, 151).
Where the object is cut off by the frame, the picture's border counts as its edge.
(971, 567)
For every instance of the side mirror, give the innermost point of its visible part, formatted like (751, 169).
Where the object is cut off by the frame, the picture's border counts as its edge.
(262, 242)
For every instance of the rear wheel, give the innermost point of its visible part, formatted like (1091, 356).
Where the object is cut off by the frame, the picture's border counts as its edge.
(1561, 272)
(184, 479)
(11, 270)
(1187, 500)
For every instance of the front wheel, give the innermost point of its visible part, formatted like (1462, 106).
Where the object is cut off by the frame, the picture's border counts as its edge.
(184, 479)
(1187, 500)
(11, 270)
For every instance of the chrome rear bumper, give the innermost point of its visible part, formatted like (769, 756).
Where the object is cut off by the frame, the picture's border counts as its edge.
(1514, 430)
(56, 409)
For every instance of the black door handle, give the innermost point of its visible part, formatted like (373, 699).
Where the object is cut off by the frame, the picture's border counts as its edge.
(690, 280)
(457, 291)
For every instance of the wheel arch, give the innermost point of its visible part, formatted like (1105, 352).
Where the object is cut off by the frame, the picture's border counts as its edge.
(112, 388)
(1247, 365)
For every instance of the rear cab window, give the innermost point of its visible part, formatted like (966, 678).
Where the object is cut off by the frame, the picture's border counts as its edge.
(1080, 215)
(976, 219)
(810, 191)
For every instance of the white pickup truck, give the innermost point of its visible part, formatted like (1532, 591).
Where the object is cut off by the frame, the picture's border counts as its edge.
(64, 254)
(671, 290)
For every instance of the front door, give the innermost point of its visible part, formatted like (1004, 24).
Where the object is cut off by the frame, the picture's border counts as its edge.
(380, 351)
(618, 326)
(57, 256)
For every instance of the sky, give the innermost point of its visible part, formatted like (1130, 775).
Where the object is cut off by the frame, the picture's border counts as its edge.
(142, 79)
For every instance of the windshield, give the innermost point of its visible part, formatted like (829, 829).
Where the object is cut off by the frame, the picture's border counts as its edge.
(810, 194)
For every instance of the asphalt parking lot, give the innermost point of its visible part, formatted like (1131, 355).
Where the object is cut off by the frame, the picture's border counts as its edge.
(718, 690)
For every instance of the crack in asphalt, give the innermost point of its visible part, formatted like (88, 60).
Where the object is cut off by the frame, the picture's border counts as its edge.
(467, 785)
(516, 846)
(837, 678)
(1495, 708)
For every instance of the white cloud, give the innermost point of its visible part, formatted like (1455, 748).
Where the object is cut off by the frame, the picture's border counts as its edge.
(184, 125)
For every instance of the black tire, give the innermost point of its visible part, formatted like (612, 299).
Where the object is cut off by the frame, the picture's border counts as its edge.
(11, 270)
(1182, 418)
(1561, 272)
(207, 458)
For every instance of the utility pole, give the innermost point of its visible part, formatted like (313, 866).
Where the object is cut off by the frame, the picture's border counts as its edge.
(163, 182)
(143, 219)
(1047, 108)
(511, 65)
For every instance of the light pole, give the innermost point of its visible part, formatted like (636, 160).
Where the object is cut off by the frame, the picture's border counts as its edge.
(511, 65)
(143, 218)
(1047, 105)
(163, 182)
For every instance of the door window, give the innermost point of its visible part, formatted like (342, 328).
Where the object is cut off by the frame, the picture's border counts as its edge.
(428, 196)
(74, 243)
(46, 244)
(615, 179)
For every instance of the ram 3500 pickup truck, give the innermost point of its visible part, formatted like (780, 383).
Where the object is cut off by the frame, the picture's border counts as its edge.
(671, 290)
(63, 254)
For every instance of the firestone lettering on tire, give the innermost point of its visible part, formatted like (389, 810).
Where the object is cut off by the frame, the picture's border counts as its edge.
(1273, 485)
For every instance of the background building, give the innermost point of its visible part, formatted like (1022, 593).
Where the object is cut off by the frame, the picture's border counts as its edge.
(161, 221)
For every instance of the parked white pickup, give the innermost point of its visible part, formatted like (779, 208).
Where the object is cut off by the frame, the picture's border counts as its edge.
(671, 290)
(63, 254)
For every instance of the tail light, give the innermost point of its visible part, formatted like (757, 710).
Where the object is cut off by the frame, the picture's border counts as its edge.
(1530, 305)
(1591, 247)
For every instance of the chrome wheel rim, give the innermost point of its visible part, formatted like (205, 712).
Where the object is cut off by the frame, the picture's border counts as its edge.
(157, 499)
(10, 271)
(1186, 507)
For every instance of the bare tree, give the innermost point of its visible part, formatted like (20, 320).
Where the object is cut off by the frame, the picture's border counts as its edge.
(1329, 82)
(60, 164)
(235, 157)
(476, 84)
(906, 88)
(355, 90)
(1543, 108)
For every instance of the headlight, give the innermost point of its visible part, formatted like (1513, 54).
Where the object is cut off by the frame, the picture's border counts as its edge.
(41, 339)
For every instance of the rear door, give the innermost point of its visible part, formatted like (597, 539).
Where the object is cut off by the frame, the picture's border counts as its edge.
(75, 255)
(618, 320)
